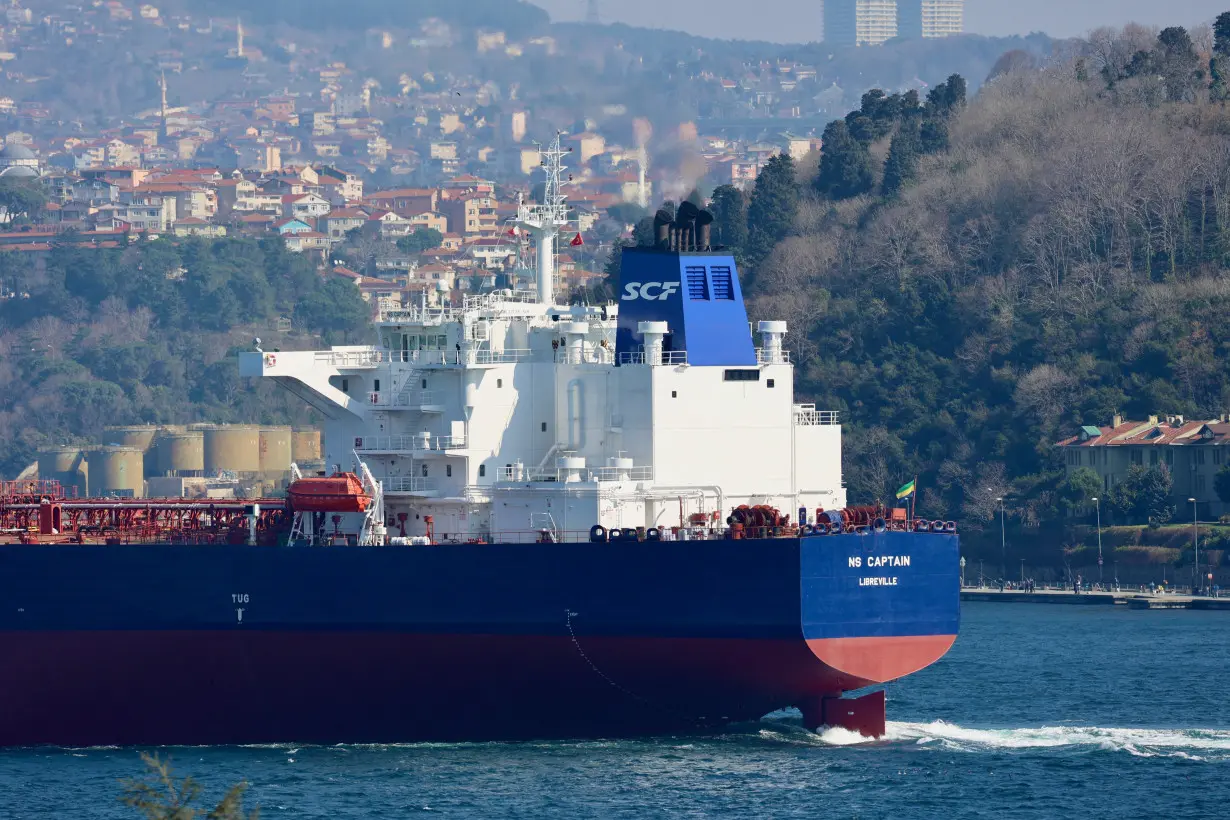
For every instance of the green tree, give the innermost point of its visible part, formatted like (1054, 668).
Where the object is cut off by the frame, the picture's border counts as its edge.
(160, 795)
(771, 212)
(1144, 495)
(420, 240)
(729, 209)
(21, 199)
(1221, 484)
(933, 136)
(1077, 490)
(1219, 66)
(1178, 63)
(845, 164)
(902, 164)
(947, 98)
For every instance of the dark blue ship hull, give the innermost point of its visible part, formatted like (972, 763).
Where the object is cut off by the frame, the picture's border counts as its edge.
(186, 644)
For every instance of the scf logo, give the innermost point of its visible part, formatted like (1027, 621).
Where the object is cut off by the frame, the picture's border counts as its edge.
(650, 290)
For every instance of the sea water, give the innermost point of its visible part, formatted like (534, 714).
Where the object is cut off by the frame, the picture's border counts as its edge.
(1039, 711)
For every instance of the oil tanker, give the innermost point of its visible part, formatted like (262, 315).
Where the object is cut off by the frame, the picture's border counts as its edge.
(540, 520)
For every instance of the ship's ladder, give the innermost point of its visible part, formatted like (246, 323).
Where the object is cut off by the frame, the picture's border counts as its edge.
(297, 529)
(543, 522)
(372, 533)
(412, 392)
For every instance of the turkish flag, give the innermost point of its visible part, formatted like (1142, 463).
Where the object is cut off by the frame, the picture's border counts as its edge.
(577, 241)
(512, 231)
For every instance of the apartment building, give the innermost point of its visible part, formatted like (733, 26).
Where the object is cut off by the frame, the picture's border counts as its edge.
(1192, 450)
(872, 22)
(930, 18)
(859, 22)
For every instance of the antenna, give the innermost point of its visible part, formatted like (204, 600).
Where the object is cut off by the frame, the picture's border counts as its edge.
(544, 220)
(591, 12)
(162, 85)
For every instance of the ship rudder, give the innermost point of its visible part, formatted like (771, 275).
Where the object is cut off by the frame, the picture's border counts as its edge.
(866, 715)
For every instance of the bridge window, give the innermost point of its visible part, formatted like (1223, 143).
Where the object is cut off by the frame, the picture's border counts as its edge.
(742, 375)
(723, 283)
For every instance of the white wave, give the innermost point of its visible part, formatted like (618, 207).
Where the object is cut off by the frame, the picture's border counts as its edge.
(837, 736)
(1139, 742)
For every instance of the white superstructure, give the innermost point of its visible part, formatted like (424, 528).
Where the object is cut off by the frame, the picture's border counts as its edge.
(506, 414)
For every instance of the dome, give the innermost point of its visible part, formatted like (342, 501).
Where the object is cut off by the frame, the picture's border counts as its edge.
(18, 171)
(16, 151)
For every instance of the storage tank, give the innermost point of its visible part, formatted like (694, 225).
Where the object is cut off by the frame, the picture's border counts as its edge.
(305, 445)
(232, 447)
(118, 470)
(67, 466)
(182, 454)
(275, 451)
(136, 435)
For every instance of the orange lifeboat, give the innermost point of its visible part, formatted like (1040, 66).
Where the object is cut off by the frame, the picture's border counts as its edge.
(339, 493)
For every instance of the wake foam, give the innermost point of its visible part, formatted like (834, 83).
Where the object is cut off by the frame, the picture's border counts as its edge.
(1192, 744)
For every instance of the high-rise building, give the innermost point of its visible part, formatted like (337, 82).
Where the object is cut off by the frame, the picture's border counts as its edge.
(859, 22)
(930, 18)
(871, 22)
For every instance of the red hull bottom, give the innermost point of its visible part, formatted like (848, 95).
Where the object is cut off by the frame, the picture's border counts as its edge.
(227, 687)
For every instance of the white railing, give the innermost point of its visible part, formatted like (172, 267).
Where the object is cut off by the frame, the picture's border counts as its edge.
(506, 356)
(806, 415)
(408, 444)
(419, 316)
(416, 315)
(669, 357)
(409, 484)
(418, 398)
(494, 299)
(522, 473)
(764, 356)
(349, 358)
(642, 473)
(433, 358)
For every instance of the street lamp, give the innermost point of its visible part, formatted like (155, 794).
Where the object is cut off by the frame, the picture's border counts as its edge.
(1097, 505)
(1003, 541)
(1195, 546)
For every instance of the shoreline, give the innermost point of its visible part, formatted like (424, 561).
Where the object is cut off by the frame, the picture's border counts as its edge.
(1131, 600)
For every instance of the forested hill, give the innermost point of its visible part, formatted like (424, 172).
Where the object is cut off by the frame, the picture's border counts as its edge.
(969, 280)
(150, 333)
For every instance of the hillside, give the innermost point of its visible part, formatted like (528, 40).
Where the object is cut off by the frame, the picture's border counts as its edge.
(968, 281)
(149, 333)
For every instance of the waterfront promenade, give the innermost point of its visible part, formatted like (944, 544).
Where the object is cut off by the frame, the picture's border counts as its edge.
(1129, 599)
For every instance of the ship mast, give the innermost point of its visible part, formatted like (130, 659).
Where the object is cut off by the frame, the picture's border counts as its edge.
(544, 220)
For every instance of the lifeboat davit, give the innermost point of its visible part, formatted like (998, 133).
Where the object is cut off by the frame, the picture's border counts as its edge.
(339, 493)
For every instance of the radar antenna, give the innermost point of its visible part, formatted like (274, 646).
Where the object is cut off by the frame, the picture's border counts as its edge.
(543, 221)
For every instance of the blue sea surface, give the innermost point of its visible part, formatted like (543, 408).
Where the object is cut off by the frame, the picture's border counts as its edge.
(1039, 711)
